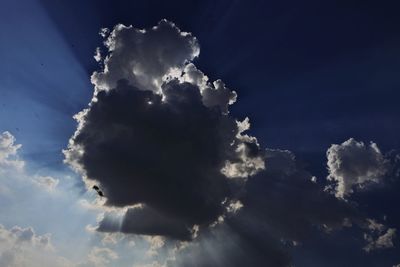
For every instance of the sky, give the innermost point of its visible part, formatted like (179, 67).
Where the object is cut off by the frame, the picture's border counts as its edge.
(199, 133)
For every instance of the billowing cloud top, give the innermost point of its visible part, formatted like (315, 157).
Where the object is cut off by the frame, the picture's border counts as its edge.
(144, 57)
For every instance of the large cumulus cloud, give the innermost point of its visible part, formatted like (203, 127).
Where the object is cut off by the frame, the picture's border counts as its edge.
(161, 144)
(158, 140)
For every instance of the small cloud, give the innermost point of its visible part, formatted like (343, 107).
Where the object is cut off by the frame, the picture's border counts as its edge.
(97, 54)
(379, 236)
(354, 164)
(8, 153)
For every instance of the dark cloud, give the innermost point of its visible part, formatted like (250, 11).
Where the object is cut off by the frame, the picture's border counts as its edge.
(282, 207)
(144, 220)
(158, 133)
(159, 142)
(167, 154)
(144, 56)
(285, 200)
(232, 244)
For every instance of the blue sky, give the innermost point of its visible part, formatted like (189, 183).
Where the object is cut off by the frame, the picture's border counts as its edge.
(308, 75)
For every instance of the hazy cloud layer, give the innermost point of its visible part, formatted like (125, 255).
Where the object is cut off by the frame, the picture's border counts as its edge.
(23, 247)
(99, 257)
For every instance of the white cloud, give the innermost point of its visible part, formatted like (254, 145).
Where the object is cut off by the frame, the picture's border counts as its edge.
(97, 54)
(99, 257)
(102, 256)
(150, 55)
(12, 166)
(153, 264)
(23, 247)
(155, 242)
(8, 152)
(213, 93)
(354, 164)
(234, 206)
(250, 163)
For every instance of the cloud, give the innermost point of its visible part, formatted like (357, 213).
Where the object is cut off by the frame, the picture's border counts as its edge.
(25, 235)
(23, 247)
(160, 141)
(284, 200)
(249, 160)
(144, 57)
(99, 257)
(97, 54)
(231, 245)
(379, 236)
(383, 241)
(12, 166)
(8, 152)
(354, 164)
(145, 220)
(153, 264)
(213, 93)
(282, 207)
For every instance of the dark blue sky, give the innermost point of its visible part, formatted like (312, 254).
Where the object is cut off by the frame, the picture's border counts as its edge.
(308, 73)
